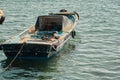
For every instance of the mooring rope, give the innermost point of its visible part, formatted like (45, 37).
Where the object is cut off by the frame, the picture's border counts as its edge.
(13, 59)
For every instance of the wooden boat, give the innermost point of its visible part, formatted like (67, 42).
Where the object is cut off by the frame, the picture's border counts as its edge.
(45, 39)
(2, 17)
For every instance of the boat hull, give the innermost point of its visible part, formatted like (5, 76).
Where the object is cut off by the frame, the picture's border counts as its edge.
(32, 50)
(27, 50)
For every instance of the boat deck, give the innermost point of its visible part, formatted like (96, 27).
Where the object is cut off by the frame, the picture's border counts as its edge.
(33, 38)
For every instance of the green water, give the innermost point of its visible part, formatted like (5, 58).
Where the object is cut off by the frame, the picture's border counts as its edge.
(93, 55)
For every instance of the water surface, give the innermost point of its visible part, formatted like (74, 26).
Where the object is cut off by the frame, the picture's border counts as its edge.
(93, 55)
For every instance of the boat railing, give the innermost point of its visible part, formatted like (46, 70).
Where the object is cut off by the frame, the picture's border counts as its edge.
(21, 34)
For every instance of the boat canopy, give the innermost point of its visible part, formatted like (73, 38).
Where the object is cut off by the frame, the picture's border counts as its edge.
(57, 23)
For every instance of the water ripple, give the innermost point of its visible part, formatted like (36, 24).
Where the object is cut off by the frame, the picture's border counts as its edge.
(92, 55)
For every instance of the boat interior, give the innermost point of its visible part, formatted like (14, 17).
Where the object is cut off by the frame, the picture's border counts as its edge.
(47, 28)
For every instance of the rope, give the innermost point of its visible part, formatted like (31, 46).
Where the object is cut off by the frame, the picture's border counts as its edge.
(54, 48)
(13, 59)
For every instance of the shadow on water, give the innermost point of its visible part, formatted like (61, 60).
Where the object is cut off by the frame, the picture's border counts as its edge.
(40, 69)
(39, 65)
(29, 69)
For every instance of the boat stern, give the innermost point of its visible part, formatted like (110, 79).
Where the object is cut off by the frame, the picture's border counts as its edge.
(27, 50)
